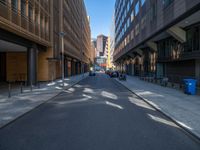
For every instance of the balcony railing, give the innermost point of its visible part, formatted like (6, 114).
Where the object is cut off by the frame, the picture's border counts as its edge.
(37, 29)
(31, 27)
(47, 36)
(4, 10)
(24, 22)
(13, 16)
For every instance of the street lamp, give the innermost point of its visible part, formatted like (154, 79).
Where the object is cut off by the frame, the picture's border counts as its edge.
(62, 34)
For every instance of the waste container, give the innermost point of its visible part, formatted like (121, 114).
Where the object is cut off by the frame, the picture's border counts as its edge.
(190, 86)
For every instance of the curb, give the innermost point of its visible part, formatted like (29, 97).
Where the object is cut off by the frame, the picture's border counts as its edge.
(36, 107)
(189, 133)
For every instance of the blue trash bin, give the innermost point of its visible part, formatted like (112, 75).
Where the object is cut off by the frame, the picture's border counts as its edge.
(190, 86)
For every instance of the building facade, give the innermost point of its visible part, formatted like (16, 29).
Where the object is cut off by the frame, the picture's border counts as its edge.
(93, 50)
(112, 42)
(108, 53)
(101, 45)
(159, 38)
(30, 41)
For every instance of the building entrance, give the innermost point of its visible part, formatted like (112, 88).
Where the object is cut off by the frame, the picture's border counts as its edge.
(137, 67)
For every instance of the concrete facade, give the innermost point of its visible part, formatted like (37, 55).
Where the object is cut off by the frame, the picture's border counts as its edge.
(30, 36)
(163, 37)
(101, 45)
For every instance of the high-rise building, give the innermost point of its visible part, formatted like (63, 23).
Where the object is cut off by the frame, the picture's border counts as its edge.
(108, 53)
(30, 41)
(101, 44)
(112, 41)
(93, 50)
(158, 38)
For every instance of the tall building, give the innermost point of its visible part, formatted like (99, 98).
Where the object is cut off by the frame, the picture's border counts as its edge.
(112, 41)
(93, 50)
(30, 41)
(108, 53)
(158, 38)
(101, 45)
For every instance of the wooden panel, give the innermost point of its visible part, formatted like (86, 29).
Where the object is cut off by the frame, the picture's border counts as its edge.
(43, 65)
(16, 66)
(58, 70)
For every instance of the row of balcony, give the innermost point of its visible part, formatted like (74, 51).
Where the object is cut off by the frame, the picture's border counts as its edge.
(24, 22)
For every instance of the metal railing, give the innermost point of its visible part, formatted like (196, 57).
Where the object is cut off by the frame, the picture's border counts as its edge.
(4, 10)
(14, 16)
(174, 81)
(12, 88)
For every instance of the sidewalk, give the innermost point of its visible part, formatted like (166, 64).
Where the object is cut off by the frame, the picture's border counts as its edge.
(19, 104)
(183, 109)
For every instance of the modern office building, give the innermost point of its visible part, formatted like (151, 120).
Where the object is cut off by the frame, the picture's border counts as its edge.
(158, 38)
(30, 41)
(101, 45)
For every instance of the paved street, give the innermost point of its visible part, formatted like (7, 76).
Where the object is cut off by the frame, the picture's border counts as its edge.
(96, 114)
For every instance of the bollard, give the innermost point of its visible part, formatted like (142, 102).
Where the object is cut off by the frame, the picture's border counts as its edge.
(9, 90)
(52, 78)
(38, 85)
(21, 87)
(31, 87)
(173, 85)
(180, 86)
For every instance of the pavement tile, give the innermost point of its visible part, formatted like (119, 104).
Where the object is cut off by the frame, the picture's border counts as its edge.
(182, 108)
(19, 104)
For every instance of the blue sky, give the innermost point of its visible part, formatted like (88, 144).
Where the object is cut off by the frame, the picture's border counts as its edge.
(100, 12)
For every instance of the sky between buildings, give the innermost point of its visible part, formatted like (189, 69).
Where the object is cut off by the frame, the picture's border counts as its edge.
(100, 12)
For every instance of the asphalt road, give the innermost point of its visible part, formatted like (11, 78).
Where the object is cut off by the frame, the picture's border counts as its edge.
(96, 114)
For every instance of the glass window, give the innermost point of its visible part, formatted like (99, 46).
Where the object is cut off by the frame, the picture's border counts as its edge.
(132, 15)
(143, 22)
(137, 8)
(193, 43)
(131, 1)
(137, 30)
(142, 2)
(153, 12)
(132, 34)
(14, 4)
(167, 2)
(30, 13)
(23, 8)
(128, 7)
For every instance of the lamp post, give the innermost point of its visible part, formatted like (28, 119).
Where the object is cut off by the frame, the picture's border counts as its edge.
(62, 34)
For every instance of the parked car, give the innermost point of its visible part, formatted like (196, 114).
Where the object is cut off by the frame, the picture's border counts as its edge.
(108, 72)
(92, 73)
(114, 74)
